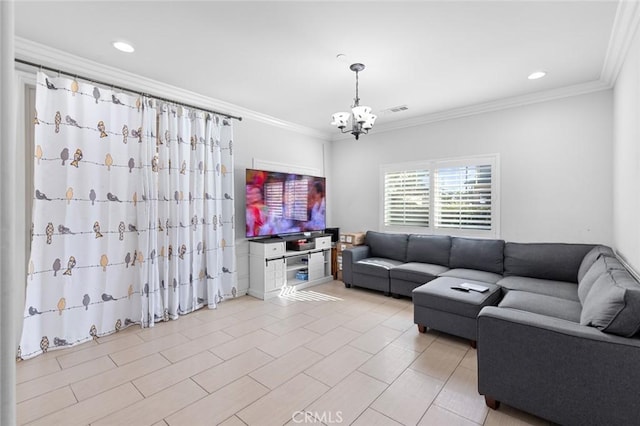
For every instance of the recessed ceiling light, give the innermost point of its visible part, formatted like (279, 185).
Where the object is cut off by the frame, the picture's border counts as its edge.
(536, 75)
(123, 46)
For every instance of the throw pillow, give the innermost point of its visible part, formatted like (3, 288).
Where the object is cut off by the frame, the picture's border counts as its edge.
(590, 258)
(599, 267)
(613, 304)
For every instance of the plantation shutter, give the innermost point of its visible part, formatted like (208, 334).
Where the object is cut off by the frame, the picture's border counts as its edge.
(463, 197)
(406, 198)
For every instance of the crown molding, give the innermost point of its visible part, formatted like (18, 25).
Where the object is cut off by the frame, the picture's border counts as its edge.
(624, 28)
(626, 22)
(500, 104)
(41, 54)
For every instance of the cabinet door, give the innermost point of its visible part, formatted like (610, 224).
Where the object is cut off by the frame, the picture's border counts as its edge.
(316, 265)
(274, 274)
(316, 258)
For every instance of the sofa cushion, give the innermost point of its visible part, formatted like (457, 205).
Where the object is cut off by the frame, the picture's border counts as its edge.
(471, 253)
(613, 304)
(429, 249)
(561, 289)
(549, 261)
(542, 304)
(472, 274)
(416, 272)
(591, 257)
(376, 266)
(387, 245)
(599, 267)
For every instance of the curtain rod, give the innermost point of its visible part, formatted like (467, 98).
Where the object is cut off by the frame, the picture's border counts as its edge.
(92, 80)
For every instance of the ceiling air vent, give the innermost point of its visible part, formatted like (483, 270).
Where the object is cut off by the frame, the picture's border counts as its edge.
(398, 108)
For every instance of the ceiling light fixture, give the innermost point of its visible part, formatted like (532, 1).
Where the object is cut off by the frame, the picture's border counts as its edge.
(536, 75)
(361, 118)
(123, 46)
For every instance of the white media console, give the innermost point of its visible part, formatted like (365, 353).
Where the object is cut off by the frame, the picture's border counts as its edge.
(274, 270)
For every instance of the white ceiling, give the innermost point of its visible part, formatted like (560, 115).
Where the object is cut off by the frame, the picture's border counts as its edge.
(279, 58)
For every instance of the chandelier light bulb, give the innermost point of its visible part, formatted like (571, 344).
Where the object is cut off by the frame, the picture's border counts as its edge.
(340, 119)
(368, 125)
(361, 113)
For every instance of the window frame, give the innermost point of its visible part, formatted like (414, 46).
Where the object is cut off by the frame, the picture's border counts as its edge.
(432, 166)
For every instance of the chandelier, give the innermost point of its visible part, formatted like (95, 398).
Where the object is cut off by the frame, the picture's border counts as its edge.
(361, 118)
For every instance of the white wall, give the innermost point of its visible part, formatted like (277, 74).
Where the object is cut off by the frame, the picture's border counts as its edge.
(256, 140)
(626, 158)
(555, 172)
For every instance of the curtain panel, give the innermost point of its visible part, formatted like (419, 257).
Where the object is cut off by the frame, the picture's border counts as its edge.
(132, 217)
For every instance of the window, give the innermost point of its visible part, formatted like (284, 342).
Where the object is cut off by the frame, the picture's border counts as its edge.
(463, 197)
(406, 198)
(458, 196)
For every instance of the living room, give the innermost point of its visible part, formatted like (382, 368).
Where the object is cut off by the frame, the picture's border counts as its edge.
(566, 156)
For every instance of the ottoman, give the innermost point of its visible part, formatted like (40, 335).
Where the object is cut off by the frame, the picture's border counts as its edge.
(436, 305)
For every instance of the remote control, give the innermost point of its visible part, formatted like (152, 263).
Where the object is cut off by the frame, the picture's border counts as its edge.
(460, 289)
(475, 287)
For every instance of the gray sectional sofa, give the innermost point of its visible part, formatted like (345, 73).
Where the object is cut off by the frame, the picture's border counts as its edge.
(397, 263)
(557, 333)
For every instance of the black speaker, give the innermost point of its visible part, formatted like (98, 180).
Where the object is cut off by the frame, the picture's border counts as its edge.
(334, 232)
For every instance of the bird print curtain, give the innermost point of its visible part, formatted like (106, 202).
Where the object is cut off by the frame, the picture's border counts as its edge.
(132, 214)
(193, 213)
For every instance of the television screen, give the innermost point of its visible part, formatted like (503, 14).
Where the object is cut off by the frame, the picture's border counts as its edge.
(284, 203)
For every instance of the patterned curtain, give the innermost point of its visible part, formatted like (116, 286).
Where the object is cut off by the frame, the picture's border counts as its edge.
(133, 214)
(193, 213)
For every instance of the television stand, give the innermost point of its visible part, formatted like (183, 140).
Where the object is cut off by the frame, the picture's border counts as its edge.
(274, 270)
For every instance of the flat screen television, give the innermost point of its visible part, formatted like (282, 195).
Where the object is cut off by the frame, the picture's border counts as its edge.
(284, 203)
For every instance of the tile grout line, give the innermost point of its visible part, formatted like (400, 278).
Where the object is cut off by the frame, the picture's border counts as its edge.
(382, 414)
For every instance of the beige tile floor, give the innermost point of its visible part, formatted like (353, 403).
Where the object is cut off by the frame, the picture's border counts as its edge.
(324, 355)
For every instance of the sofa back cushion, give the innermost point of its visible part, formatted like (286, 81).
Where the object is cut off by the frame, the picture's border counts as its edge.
(471, 253)
(613, 304)
(591, 257)
(387, 245)
(429, 249)
(548, 261)
(599, 267)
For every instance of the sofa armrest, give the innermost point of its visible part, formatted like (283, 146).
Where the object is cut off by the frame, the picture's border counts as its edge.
(351, 256)
(557, 369)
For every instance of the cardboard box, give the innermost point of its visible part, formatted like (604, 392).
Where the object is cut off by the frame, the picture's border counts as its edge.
(343, 246)
(339, 275)
(355, 238)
